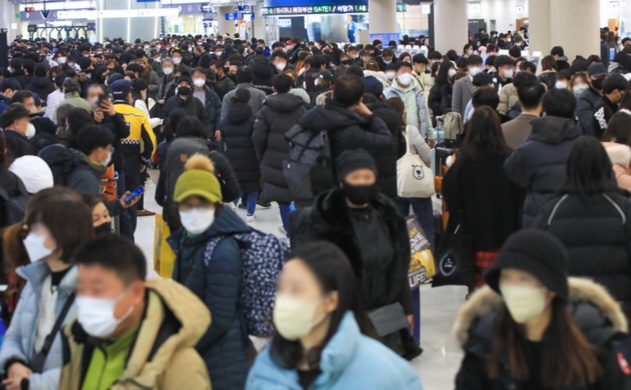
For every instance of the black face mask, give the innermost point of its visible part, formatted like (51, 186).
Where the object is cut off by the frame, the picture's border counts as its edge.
(359, 195)
(346, 62)
(184, 91)
(103, 229)
(598, 83)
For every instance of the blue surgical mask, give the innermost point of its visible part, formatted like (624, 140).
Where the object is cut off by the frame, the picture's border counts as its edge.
(387, 62)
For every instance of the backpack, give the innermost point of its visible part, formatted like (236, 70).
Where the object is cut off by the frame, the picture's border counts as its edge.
(309, 169)
(61, 160)
(263, 256)
(452, 126)
(15, 206)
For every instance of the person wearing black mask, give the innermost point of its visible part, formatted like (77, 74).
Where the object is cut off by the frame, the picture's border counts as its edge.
(185, 100)
(354, 216)
(101, 217)
(589, 99)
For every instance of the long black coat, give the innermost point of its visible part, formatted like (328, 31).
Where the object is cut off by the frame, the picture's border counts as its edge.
(597, 233)
(239, 149)
(486, 199)
(278, 115)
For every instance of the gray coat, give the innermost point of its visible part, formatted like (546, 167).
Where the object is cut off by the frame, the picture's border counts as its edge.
(462, 94)
(18, 342)
(426, 128)
(256, 99)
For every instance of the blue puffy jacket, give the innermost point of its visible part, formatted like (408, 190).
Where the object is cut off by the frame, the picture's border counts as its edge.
(349, 361)
(18, 342)
(224, 345)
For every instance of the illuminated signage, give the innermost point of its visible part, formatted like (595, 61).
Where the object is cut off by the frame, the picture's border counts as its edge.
(316, 9)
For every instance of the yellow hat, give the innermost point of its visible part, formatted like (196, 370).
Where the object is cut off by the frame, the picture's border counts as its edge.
(198, 179)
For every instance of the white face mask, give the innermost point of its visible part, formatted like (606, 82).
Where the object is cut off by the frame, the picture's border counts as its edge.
(218, 53)
(293, 317)
(580, 88)
(452, 72)
(475, 70)
(508, 73)
(560, 85)
(35, 247)
(30, 131)
(167, 71)
(199, 82)
(524, 303)
(405, 78)
(108, 160)
(61, 60)
(391, 75)
(96, 315)
(177, 60)
(316, 82)
(280, 66)
(197, 220)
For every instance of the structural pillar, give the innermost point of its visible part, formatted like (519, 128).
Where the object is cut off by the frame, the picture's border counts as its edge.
(450, 25)
(8, 19)
(382, 17)
(258, 24)
(333, 28)
(223, 25)
(577, 30)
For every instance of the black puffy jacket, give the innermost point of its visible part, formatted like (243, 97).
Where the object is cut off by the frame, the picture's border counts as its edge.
(596, 230)
(42, 86)
(538, 165)
(280, 112)
(239, 149)
(594, 311)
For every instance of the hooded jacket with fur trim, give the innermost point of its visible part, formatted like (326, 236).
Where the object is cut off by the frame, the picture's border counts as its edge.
(620, 156)
(595, 312)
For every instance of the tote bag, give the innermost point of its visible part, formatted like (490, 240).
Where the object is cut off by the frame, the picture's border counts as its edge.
(414, 178)
(455, 262)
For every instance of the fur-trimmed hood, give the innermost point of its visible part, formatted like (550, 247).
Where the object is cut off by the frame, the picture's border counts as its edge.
(486, 301)
(619, 154)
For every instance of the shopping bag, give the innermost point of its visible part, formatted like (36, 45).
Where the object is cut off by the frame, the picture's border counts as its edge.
(414, 178)
(422, 266)
(163, 255)
(455, 263)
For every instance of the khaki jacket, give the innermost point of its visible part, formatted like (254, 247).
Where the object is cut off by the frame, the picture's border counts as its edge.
(163, 356)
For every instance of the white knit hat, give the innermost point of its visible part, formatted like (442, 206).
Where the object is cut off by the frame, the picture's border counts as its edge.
(34, 172)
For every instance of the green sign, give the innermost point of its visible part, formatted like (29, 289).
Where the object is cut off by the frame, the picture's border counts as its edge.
(17, 15)
(402, 7)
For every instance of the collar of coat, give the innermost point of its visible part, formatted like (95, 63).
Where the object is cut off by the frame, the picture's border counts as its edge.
(486, 301)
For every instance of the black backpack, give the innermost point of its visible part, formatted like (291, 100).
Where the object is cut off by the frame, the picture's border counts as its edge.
(309, 169)
(61, 160)
(15, 206)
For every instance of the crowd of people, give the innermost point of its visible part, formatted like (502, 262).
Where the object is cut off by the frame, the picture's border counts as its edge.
(539, 178)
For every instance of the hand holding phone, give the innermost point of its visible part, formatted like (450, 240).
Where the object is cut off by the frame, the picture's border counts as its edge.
(135, 194)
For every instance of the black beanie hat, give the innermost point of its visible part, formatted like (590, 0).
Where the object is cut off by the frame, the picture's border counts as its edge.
(352, 160)
(538, 253)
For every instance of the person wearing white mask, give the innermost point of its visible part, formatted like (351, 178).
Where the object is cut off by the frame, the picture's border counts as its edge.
(411, 93)
(39, 124)
(505, 71)
(204, 91)
(52, 230)
(532, 328)
(130, 331)
(463, 88)
(324, 338)
(198, 195)
(17, 127)
(167, 80)
(280, 62)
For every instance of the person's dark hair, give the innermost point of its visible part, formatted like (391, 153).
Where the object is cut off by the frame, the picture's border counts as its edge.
(576, 366)
(92, 200)
(557, 51)
(190, 126)
(527, 66)
(483, 135)
(241, 95)
(92, 137)
(404, 65)
(482, 80)
(333, 271)
(397, 104)
(203, 71)
(515, 52)
(614, 82)
(485, 96)
(21, 95)
(59, 80)
(549, 63)
(115, 253)
(559, 102)
(170, 125)
(490, 60)
(589, 168)
(282, 83)
(245, 75)
(503, 61)
(443, 72)
(474, 60)
(618, 129)
(348, 90)
(530, 92)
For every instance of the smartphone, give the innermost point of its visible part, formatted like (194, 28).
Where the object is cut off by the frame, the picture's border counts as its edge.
(137, 192)
(102, 97)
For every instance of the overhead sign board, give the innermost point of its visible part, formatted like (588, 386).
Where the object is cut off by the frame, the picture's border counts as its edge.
(232, 16)
(317, 9)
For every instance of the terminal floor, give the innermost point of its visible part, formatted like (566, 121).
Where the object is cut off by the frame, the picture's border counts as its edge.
(441, 358)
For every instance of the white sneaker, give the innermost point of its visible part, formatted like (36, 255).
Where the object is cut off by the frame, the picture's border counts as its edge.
(250, 218)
